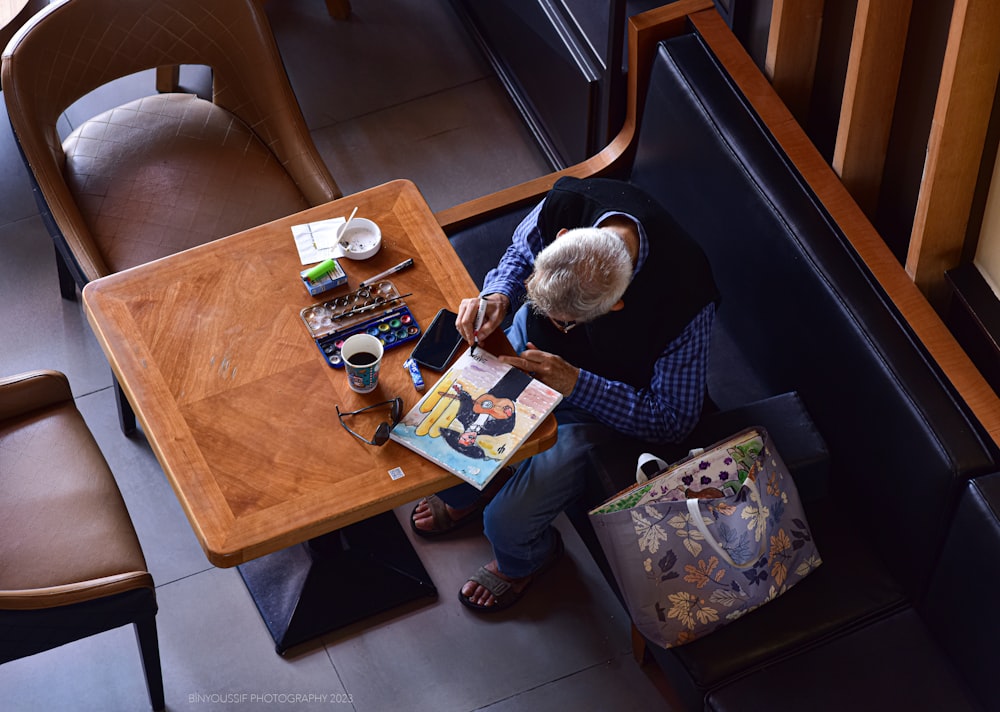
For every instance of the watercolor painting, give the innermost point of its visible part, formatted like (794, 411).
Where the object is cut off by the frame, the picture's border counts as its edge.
(474, 418)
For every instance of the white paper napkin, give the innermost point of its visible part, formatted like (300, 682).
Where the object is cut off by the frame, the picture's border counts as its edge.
(317, 241)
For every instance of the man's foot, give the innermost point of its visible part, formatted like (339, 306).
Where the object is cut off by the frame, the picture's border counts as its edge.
(432, 517)
(488, 590)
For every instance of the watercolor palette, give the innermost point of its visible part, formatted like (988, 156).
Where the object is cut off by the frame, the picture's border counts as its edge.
(376, 310)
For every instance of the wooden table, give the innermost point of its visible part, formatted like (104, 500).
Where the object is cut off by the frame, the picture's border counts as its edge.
(238, 403)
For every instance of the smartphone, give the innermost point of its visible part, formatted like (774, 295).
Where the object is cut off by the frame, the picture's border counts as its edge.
(439, 342)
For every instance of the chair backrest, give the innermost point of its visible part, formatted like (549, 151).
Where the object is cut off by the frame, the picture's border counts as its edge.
(75, 46)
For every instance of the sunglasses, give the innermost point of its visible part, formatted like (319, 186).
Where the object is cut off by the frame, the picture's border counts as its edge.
(382, 431)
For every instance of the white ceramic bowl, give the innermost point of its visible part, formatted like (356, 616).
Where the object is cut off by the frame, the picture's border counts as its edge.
(361, 240)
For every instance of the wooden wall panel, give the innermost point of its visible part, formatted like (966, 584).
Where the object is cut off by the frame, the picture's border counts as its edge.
(792, 47)
(869, 97)
(955, 145)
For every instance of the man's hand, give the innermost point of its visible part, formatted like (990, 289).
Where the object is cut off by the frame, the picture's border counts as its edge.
(548, 368)
(496, 309)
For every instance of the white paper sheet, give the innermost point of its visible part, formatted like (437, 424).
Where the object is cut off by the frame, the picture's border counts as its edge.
(317, 241)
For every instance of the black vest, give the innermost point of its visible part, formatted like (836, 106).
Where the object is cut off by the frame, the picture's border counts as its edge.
(673, 286)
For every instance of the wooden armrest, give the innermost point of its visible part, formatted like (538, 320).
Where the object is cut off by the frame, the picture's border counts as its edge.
(645, 31)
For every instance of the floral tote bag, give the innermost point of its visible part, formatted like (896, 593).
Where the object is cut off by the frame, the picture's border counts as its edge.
(708, 540)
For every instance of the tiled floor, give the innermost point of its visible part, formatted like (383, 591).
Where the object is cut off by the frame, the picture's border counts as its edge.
(397, 91)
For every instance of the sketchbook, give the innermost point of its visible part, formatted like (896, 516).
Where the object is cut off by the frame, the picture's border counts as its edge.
(472, 421)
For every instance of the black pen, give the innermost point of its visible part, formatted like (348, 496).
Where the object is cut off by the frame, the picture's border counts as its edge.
(480, 314)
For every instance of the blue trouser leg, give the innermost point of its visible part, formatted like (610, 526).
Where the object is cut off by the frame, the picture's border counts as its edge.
(518, 520)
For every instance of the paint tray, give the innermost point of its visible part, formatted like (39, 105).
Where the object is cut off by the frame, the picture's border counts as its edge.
(375, 310)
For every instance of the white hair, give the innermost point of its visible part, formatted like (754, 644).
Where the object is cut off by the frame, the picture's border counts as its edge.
(581, 274)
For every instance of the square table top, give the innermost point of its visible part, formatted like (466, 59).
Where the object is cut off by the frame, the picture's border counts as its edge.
(237, 401)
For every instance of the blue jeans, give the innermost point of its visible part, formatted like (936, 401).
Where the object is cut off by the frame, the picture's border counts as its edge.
(518, 520)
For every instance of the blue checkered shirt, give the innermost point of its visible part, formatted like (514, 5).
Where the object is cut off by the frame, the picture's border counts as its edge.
(665, 410)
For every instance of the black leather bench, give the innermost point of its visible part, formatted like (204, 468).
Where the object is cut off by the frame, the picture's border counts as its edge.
(893, 619)
(800, 312)
(937, 654)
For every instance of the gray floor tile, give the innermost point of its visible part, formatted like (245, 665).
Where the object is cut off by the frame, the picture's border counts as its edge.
(455, 145)
(15, 186)
(444, 657)
(618, 685)
(388, 53)
(217, 653)
(102, 673)
(40, 329)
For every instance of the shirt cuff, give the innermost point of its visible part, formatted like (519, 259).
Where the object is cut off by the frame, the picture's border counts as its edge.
(587, 391)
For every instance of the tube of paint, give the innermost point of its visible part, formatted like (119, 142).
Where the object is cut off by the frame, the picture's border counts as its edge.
(418, 380)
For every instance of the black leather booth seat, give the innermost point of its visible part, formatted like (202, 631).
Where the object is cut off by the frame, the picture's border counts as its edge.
(800, 312)
(923, 658)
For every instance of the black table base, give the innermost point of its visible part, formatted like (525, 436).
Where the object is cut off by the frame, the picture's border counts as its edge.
(332, 581)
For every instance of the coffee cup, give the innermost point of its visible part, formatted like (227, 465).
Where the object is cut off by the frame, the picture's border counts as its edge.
(362, 355)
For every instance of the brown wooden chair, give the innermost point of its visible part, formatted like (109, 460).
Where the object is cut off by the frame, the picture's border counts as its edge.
(70, 562)
(165, 172)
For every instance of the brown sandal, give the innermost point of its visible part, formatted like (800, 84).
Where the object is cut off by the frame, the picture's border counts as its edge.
(443, 523)
(502, 590)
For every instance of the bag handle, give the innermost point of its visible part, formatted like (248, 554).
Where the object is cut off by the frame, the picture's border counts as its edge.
(694, 509)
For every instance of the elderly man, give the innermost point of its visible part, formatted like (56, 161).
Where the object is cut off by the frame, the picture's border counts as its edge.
(618, 305)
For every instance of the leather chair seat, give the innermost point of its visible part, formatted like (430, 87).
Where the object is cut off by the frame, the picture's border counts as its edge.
(70, 562)
(67, 534)
(938, 655)
(849, 591)
(168, 172)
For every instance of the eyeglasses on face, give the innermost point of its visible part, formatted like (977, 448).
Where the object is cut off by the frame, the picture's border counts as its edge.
(563, 326)
(382, 431)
